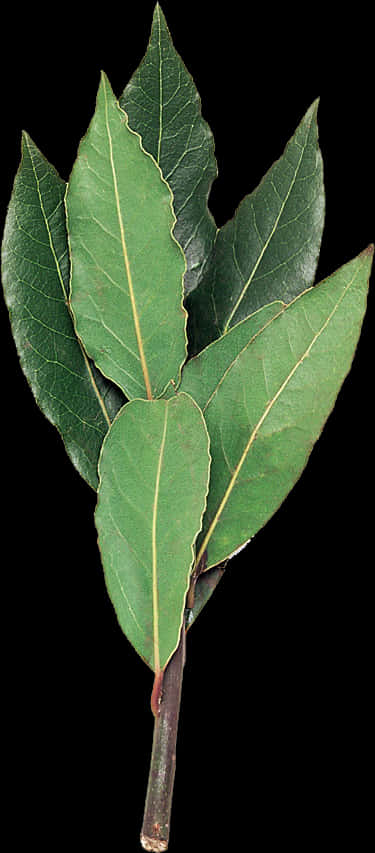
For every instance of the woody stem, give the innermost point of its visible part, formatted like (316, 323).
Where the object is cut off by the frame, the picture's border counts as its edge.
(156, 820)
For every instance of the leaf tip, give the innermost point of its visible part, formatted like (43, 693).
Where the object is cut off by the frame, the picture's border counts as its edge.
(313, 110)
(25, 138)
(27, 144)
(316, 103)
(159, 17)
(104, 82)
(366, 256)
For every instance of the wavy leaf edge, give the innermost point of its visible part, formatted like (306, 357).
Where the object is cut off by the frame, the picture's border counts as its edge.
(104, 80)
(159, 672)
(366, 253)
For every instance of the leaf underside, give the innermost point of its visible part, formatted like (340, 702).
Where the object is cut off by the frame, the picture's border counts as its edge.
(154, 470)
(266, 411)
(203, 373)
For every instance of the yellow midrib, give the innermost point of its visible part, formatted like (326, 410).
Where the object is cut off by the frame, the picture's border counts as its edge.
(126, 259)
(160, 89)
(155, 594)
(257, 427)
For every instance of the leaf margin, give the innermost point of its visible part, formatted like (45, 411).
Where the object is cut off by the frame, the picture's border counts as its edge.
(160, 24)
(366, 254)
(31, 153)
(105, 84)
(158, 673)
(203, 296)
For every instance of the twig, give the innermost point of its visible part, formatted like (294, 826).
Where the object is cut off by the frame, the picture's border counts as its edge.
(156, 820)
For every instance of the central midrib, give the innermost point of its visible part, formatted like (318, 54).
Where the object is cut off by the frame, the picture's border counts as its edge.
(259, 424)
(266, 244)
(160, 90)
(126, 260)
(155, 594)
(62, 283)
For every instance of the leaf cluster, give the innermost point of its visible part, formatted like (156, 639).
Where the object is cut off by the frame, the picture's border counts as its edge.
(188, 368)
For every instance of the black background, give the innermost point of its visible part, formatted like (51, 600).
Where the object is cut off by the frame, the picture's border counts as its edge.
(275, 726)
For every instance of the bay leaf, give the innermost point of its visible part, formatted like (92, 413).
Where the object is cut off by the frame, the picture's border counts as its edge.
(154, 471)
(35, 272)
(269, 249)
(164, 107)
(271, 405)
(203, 373)
(200, 378)
(127, 269)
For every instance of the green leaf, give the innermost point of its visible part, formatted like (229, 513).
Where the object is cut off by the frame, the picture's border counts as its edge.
(35, 271)
(272, 403)
(163, 105)
(200, 378)
(202, 374)
(154, 470)
(127, 269)
(270, 249)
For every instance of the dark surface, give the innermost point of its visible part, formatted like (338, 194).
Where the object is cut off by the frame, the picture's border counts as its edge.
(278, 666)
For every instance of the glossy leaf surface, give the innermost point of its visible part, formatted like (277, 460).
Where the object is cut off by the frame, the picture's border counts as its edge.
(164, 107)
(35, 272)
(269, 250)
(127, 269)
(272, 403)
(154, 471)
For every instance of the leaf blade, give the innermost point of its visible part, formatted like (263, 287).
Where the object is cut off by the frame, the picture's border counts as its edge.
(127, 269)
(35, 272)
(257, 458)
(203, 373)
(154, 467)
(270, 249)
(200, 377)
(163, 105)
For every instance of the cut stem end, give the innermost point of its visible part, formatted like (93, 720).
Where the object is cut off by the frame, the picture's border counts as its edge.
(153, 844)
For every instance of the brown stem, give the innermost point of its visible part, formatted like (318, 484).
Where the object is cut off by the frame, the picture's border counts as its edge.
(156, 820)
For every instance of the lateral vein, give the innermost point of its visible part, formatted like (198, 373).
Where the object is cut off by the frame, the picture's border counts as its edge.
(267, 241)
